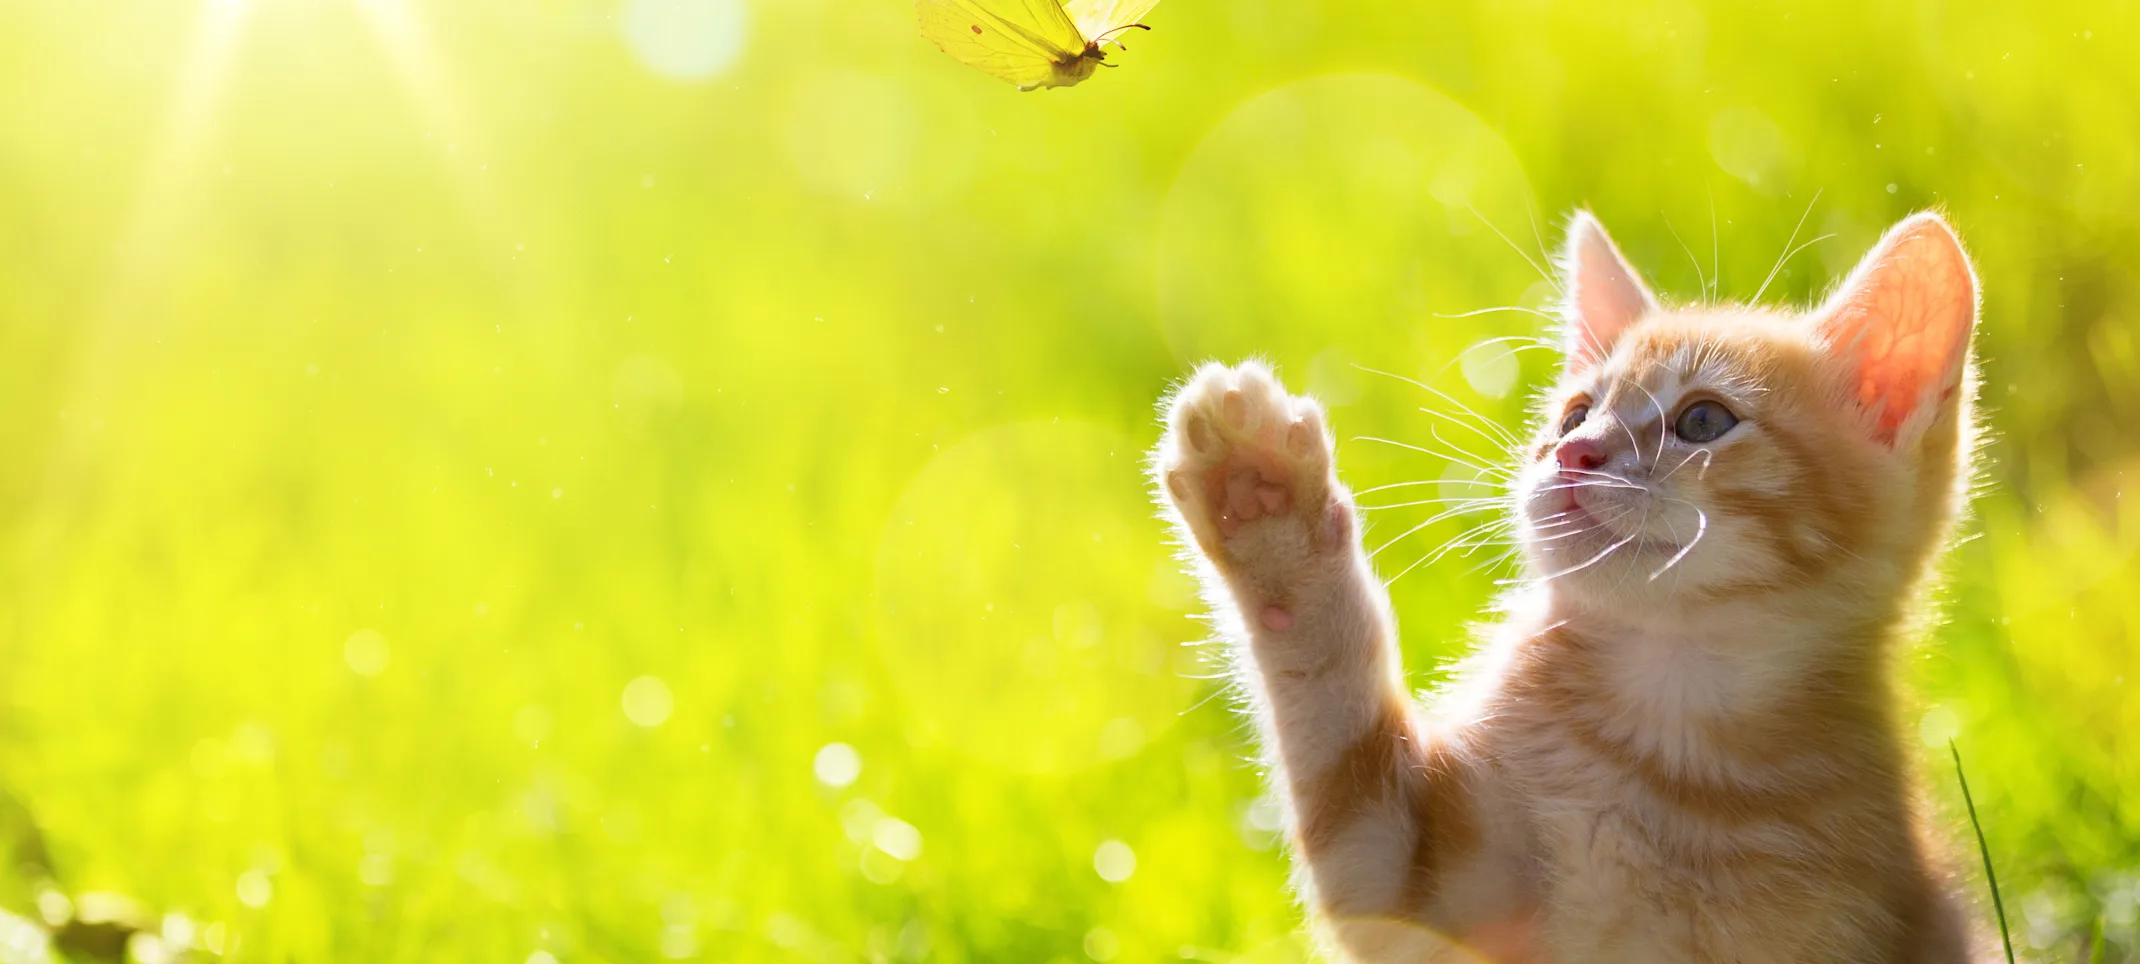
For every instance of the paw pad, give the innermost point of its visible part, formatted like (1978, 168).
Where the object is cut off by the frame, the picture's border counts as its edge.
(1240, 452)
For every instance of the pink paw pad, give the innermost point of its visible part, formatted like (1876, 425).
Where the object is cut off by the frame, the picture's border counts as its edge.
(1248, 494)
(1277, 620)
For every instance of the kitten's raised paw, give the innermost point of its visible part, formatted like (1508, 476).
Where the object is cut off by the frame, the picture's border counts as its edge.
(1249, 468)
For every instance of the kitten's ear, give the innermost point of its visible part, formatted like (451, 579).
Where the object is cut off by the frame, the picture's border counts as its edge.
(1605, 296)
(1901, 321)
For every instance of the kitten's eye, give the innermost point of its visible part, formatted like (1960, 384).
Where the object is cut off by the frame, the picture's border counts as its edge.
(1574, 418)
(1704, 422)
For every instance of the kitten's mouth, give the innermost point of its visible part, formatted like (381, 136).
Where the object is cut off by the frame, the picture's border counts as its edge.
(1577, 528)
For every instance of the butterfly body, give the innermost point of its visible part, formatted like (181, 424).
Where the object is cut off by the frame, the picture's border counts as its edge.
(1074, 70)
(1033, 44)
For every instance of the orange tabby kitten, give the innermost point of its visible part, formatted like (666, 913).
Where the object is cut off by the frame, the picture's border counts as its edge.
(1680, 743)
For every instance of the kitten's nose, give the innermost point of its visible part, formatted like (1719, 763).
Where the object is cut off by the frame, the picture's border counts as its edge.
(1580, 453)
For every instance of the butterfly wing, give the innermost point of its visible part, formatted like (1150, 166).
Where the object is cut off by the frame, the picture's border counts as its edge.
(1098, 18)
(1020, 41)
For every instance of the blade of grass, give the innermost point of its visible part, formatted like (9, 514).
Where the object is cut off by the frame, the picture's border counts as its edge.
(1983, 848)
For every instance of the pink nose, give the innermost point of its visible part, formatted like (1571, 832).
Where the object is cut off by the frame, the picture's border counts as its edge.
(1581, 453)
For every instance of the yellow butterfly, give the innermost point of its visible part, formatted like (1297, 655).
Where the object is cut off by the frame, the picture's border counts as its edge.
(1031, 43)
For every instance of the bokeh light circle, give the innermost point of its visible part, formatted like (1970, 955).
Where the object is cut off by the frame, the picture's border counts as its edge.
(366, 652)
(1014, 604)
(1114, 861)
(836, 765)
(647, 701)
(1339, 210)
(255, 889)
(688, 40)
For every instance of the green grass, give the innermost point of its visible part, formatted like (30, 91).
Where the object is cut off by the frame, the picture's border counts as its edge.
(1991, 875)
(386, 389)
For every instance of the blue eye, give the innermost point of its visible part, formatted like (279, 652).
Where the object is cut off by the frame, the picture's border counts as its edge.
(1704, 421)
(1574, 419)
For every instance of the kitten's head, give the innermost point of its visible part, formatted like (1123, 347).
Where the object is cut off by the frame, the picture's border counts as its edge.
(1717, 452)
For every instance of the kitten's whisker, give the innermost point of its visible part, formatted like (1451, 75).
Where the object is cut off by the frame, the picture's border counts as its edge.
(1424, 560)
(1699, 275)
(1658, 407)
(1487, 311)
(1505, 438)
(1498, 473)
(1585, 564)
(1707, 455)
(1471, 547)
(1437, 517)
(1509, 439)
(1537, 236)
(1397, 485)
(1401, 573)
(1560, 520)
(1787, 255)
(1572, 470)
(1579, 524)
(1787, 249)
(1502, 436)
(1593, 560)
(1589, 475)
(1517, 343)
(1581, 518)
(1563, 524)
(1497, 458)
(1591, 346)
(1216, 692)
(1716, 251)
(1478, 531)
(1480, 543)
(1399, 537)
(1600, 557)
(1497, 438)
(1493, 562)
(1701, 522)
(1590, 484)
(1513, 246)
(1570, 534)
(1632, 442)
(1468, 505)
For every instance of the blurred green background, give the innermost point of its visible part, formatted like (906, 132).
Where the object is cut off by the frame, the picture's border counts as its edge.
(571, 481)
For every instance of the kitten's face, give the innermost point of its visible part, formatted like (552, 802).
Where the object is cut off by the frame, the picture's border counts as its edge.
(1707, 454)
(1694, 458)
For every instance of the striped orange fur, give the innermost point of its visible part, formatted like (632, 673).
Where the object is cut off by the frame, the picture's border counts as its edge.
(1680, 744)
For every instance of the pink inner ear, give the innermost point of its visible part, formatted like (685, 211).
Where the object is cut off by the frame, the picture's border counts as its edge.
(1605, 295)
(1905, 318)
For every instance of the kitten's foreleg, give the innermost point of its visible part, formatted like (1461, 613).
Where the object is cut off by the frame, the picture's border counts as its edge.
(1383, 814)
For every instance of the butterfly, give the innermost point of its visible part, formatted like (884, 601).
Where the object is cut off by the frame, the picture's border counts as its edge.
(1031, 43)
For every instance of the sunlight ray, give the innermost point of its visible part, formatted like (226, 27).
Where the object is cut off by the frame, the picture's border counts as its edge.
(203, 74)
(407, 45)
(146, 236)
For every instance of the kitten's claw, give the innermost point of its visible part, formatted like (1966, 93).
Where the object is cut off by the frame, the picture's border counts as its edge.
(1249, 469)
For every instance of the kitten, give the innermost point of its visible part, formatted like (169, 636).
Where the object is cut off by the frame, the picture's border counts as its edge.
(1680, 742)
